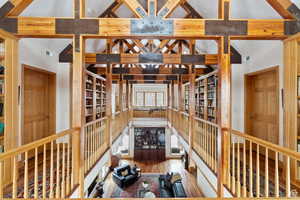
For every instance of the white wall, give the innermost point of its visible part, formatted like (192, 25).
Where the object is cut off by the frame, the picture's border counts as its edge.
(33, 52)
(263, 54)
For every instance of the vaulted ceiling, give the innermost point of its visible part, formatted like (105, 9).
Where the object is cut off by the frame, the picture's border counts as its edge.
(247, 9)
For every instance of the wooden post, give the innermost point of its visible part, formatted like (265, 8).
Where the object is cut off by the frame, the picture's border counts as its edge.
(109, 94)
(172, 95)
(78, 102)
(192, 78)
(168, 96)
(121, 94)
(78, 112)
(127, 95)
(224, 103)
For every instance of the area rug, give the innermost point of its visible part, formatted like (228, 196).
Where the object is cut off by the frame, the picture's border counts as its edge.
(132, 191)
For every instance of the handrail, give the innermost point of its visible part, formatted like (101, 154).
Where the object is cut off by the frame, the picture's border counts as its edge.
(32, 145)
(184, 113)
(269, 145)
(95, 121)
(205, 121)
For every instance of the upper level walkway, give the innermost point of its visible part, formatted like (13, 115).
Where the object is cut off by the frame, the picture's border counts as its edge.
(56, 166)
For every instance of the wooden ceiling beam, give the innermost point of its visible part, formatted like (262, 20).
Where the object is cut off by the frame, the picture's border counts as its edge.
(136, 8)
(14, 7)
(149, 71)
(46, 27)
(150, 58)
(140, 45)
(168, 8)
(285, 8)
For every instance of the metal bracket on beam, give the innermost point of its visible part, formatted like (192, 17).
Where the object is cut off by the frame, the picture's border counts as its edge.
(149, 26)
(291, 27)
(295, 11)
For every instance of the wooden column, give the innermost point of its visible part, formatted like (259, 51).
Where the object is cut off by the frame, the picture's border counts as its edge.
(78, 111)
(180, 98)
(224, 103)
(192, 77)
(127, 95)
(172, 95)
(109, 94)
(168, 96)
(78, 101)
(121, 94)
(131, 96)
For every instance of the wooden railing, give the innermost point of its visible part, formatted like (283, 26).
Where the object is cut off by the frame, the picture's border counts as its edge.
(95, 142)
(150, 112)
(256, 168)
(119, 122)
(41, 169)
(260, 169)
(205, 142)
(180, 122)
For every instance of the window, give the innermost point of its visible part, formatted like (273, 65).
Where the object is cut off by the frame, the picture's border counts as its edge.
(150, 99)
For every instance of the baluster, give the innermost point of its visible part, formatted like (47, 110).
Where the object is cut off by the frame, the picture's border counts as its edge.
(210, 146)
(44, 171)
(288, 177)
(63, 170)
(216, 148)
(68, 166)
(57, 171)
(257, 172)
(1, 179)
(85, 148)
(229, 163)
(36, 181)
(15, 180)
(238, 170)
(251, 171)
(206, 143)
(26, 176)
(244, 170)
(233, 182)
(267, 173)
(51, 170)
(276, 175)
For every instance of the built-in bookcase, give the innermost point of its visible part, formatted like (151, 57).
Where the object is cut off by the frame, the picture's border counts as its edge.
(206, 97)
(95, 97)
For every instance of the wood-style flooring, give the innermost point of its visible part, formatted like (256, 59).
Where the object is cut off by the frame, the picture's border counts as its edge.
(189, 181)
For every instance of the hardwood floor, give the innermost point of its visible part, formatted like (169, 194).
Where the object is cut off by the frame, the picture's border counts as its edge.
(189, 181)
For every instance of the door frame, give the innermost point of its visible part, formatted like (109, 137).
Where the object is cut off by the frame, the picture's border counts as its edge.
(52, 117)
(246, 87)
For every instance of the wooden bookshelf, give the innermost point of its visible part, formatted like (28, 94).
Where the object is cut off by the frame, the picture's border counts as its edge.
(95, 97)
(206, 97)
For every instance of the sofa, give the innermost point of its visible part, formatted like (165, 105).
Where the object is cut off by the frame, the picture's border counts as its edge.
(171, 187)
(124, 175)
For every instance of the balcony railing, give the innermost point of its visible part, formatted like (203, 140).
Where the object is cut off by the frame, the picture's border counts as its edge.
(150, 112)
(48, 168)
(254, 167)
(41, 169)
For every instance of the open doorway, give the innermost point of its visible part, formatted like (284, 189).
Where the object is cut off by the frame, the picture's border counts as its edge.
(262, 104)
(39, 104)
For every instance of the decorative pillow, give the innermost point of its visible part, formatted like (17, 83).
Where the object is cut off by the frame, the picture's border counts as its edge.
(175, 177)
(124, 173)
